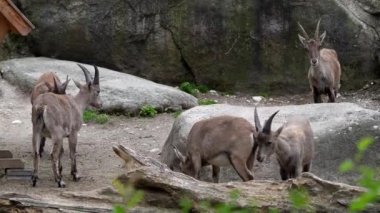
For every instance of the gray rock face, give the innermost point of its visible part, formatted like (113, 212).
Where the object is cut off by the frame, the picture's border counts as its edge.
(119, 91)
(225, 44)
(337, 127)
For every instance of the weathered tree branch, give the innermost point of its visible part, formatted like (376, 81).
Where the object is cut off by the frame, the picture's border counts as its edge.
(164, 188)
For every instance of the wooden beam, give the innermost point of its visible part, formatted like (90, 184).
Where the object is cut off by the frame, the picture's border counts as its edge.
(4, 27)
(5, 154)
(11, 163)
(15, 17)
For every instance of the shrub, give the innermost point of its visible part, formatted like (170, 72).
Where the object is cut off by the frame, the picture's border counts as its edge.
(148, 111)
(189, 88)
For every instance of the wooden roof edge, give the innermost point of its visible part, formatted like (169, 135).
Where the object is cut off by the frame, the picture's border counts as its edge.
(21, 14)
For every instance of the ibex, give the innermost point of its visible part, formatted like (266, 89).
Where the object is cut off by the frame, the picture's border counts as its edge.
(220, 141)
(324, 72)
(293, 144)
(59, 116)
(48, 82)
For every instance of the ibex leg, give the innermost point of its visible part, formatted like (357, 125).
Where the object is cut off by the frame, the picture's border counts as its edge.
(42, 145)
(284, 174)
(331, 94)
(240, 167)
(73, 138)
(55, 155)
(251, 158)
(215, 173)
(36, 157)
(316, 95)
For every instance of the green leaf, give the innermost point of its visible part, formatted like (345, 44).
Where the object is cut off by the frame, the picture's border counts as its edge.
(364, 144)
(186, 204)
(136, 198)
(346, 166)
(118, 209)
(299, 198)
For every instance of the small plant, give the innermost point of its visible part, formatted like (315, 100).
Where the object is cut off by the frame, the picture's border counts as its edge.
(206, 101)
(148, 111)
(94, 116)
(299, 198)
(203, 88)
(130, 196)
(189, 88)
(369, 177)
(177, 113)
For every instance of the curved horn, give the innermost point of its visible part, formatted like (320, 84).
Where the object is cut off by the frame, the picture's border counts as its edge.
(87, 74)
(64, 85)
(268, 123)
(316, 34)
(257, 121)
(303, 31)
(96, 78)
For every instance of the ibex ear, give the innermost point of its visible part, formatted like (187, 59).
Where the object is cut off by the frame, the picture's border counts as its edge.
(322, 37)
(77, 84)
(278, 132)
(302, 40)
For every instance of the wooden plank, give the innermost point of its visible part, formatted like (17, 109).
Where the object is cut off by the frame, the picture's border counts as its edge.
(6, 154)
(19, 172)
(15, 17)
(14, 163)
(4, 27)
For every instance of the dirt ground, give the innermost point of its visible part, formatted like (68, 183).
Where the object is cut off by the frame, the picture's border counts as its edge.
(97, 163)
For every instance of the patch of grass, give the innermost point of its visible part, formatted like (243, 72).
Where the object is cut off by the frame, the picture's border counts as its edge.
(193, 89)
(94, 116)
(148, 111)
(206, 101)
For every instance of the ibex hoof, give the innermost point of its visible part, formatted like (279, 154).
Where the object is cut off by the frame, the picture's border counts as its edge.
(76, 177)
(34, 181)
(61, 184)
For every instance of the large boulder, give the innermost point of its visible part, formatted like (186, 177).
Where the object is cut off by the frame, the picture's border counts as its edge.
(228, 45)
(337, 127)
(119, 91)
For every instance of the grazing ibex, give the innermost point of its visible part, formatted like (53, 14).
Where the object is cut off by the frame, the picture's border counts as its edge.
(324, 72)
(293, 144)
(220, 141)
(59, 116)
(48, 82)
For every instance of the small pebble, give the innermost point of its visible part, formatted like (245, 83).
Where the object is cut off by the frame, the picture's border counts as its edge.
(16, 122)
(257, 98)
(350, 128)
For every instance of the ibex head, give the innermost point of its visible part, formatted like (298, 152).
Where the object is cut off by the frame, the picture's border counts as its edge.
(266, 138)
(312, 45)
(91, 88)
(185, 164)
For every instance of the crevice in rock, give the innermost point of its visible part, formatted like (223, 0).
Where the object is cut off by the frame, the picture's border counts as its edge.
(184, 62)
(357, 17)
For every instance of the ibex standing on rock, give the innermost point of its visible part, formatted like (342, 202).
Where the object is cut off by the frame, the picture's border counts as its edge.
(293, 144)
(48, 82)
(324, 71)
(59, 116)
(220, 141)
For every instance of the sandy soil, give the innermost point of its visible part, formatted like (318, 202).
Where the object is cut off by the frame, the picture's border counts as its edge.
(97, 164)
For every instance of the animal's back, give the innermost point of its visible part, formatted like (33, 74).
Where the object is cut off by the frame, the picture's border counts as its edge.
(60, 113)
(43, 83)
(222, 134)
(298, 132)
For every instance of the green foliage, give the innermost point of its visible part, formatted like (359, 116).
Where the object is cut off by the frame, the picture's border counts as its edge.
(131, 197)
(369, 177)
(299, 198)
(148, 111)
(177, 113)
(206, 101)
(94, 116)
(192, 88)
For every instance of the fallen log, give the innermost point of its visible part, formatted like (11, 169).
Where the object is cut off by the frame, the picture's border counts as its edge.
(165, 188)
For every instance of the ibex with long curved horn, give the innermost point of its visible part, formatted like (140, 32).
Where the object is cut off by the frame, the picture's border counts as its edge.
(48, 82)
(293, 144)
(60, 116)
(324, 72)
